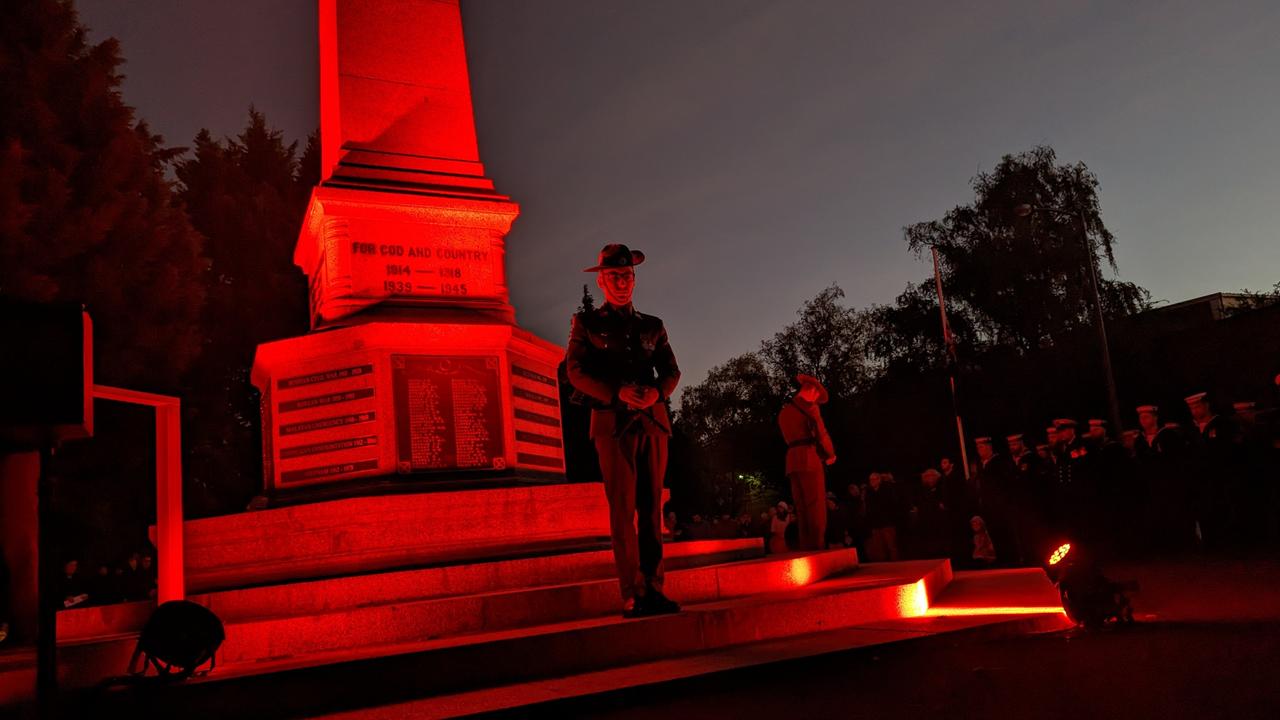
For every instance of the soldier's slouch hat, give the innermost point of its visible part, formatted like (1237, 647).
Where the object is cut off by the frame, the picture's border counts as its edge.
(615, 256)
(803, 379)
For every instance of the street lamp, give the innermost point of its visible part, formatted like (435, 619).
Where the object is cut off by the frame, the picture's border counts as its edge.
(1113, 400)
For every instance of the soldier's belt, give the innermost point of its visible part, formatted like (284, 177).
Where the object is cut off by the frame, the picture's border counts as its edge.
(802, 443)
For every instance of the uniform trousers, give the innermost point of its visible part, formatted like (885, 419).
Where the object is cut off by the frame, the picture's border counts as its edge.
(809, 490)
(633, 465)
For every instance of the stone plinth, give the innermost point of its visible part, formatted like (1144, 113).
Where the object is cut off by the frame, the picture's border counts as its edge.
(401, 399)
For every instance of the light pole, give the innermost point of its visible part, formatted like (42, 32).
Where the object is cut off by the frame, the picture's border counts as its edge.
(1113, 400)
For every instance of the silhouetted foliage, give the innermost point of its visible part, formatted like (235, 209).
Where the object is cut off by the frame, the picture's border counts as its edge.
(735, 394)
(247, 195)
(1254, 300)
(907, 335)
(1023, 281)
(1017, 294)
(86, 214)
(829, 341)
(588, 300)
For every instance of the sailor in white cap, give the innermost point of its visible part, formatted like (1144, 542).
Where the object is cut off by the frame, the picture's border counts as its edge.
(1149, 429)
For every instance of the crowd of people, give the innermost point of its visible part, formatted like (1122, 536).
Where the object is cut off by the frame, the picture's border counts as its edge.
(1211, 481)
(134, 579)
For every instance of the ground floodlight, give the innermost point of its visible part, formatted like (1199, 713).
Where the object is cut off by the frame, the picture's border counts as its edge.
(1088, 597)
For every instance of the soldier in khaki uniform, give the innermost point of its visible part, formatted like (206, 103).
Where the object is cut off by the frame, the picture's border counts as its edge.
(809, 449)
(622, 360)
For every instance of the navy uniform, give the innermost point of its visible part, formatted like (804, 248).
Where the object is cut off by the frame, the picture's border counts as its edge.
(1073, 492)
(1115, 486)
(610, 348)
(809, 450)
(1219, 488)
(1259, 471)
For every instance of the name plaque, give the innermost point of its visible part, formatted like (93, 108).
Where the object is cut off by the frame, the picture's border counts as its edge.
(448, 413)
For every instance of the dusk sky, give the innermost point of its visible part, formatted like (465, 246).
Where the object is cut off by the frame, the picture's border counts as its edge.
(760, 151)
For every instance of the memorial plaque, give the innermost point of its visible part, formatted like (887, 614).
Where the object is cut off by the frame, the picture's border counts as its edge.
(448, 412)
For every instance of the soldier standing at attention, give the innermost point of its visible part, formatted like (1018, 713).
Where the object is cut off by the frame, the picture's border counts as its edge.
(621, 359)
(808, 450)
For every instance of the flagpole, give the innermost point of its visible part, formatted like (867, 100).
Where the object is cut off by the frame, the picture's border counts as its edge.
(950, 343)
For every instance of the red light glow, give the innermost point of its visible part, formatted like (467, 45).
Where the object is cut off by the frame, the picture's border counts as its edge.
(913, 600)
(994, 610)
(800, 571)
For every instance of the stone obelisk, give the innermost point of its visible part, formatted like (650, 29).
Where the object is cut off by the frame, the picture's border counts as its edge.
(414, 366)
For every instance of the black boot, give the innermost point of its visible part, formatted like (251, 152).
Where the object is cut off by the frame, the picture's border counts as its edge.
(655, 603)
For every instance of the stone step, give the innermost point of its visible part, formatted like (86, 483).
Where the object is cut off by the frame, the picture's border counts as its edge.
(401, 613)
(363, 534)
(386, 623)
(358, 677)
(976, 605)
(574, 562)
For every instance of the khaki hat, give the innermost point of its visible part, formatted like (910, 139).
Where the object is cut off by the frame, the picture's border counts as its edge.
(616, 256)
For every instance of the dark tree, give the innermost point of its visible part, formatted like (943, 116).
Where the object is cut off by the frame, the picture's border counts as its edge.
(907, 336)
(85, 211)
(735, 394)
(1022, 281)
(829, 341)
(588, 300)
(247, 195)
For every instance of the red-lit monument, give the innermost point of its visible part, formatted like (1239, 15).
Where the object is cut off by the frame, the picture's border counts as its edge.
(414, 365)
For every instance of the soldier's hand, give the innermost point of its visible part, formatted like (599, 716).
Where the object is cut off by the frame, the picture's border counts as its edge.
(831, 459)
(648, 396)
(630, 394)
(637, 397)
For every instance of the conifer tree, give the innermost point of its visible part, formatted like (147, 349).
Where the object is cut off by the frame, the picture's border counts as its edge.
(86, 214)
(588, 300)
(247, 194)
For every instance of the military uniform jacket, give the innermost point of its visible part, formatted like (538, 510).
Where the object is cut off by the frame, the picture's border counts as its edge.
(1074, 460)
(612, 347)
(808, 444)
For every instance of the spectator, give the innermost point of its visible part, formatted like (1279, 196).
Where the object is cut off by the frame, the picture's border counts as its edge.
(698, 529)
(103, 588)
(837, 523)
(778, 528)
(745, 529)
(149, 575)
(931, 518)
(760, 528)
(72, 588)
(727, 528)
(133, 581)
(883, 511)
(949, 475)
(984, 551)
(671, 522)
(857, 516)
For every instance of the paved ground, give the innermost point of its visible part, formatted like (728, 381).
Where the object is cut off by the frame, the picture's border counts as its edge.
(1207, 646)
